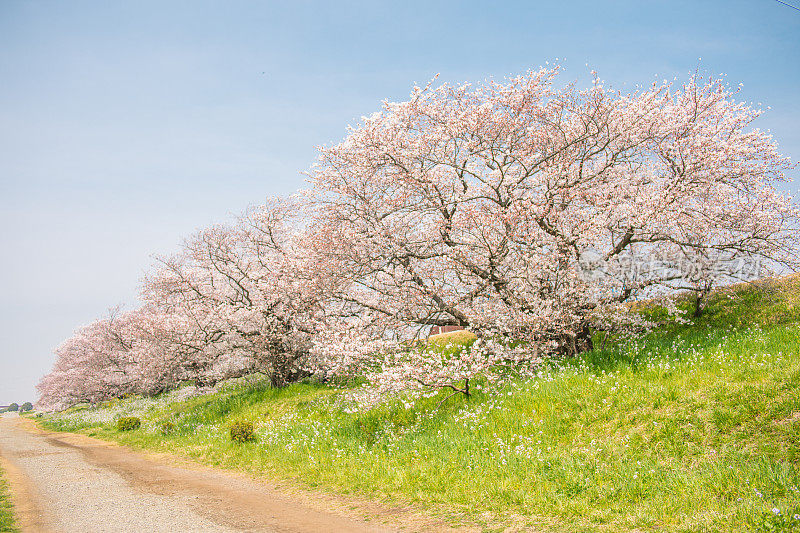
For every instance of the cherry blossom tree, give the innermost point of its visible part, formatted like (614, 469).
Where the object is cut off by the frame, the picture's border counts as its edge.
(523, 211)
(95, 364)
(238, 290)
(236, 300)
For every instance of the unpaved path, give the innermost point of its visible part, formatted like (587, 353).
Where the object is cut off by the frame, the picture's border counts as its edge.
(64, 482)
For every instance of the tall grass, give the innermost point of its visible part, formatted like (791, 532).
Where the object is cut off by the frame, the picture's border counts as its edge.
(689, 428)
(7, 522)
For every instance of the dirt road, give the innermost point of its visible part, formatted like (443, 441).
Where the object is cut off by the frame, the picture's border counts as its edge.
(63, 482)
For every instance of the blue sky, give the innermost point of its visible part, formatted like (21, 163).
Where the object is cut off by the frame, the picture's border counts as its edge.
(124, 126)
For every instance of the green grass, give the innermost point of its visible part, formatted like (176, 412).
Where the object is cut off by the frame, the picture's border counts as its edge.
(7, 522)
(689, 428)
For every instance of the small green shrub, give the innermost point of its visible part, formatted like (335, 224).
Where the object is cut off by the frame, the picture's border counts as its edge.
(128, 423)
(167, 428)
(242, 431)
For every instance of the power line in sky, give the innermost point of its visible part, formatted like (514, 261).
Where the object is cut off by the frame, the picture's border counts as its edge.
(789, 5)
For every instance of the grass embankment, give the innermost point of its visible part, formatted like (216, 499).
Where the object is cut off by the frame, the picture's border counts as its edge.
(7, 522)
(689, 428)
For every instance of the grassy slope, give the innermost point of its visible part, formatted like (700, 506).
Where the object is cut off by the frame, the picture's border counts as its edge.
(6, 511)
(690, 428)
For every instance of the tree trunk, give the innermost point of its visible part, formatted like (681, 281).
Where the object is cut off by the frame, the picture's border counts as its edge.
(698, 304)
(700, 299)
(581, 341)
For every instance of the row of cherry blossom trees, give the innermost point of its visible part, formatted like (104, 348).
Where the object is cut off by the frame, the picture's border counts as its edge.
(528, 213)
